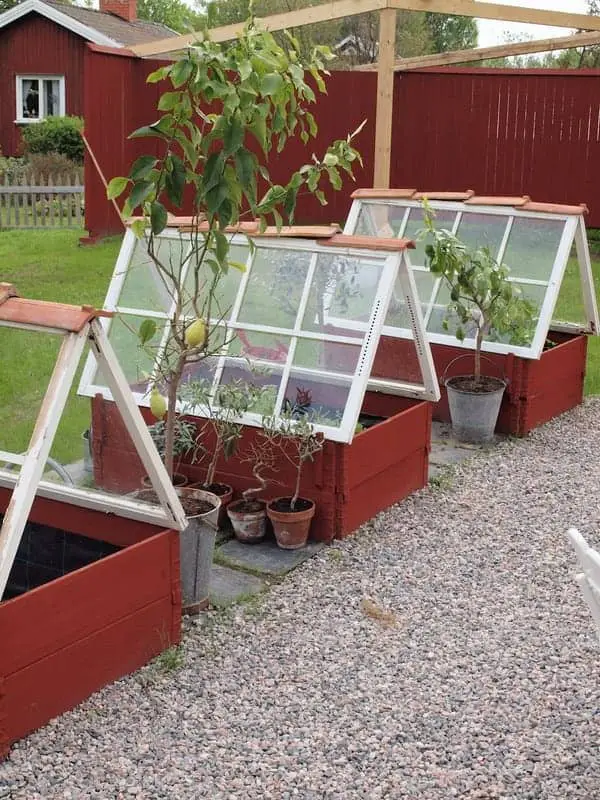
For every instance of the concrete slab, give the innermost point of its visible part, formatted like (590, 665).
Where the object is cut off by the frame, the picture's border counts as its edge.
(264, 558)
(228, 586)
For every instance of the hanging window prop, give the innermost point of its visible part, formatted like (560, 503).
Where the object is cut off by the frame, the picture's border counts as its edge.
(298, 318)
(77, 327)
(540, 243)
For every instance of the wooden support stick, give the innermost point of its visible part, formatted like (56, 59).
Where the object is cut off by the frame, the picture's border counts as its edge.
(385, 98)
(101, 174)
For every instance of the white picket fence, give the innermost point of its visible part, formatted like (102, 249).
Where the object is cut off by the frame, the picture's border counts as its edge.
(31, 201)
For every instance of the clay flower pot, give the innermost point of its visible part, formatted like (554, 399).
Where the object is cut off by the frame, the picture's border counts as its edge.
(291, 528)
(249, 519)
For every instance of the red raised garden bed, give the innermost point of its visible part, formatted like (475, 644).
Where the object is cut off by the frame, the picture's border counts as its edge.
(538, 390)
(349, 483)
(75, 633)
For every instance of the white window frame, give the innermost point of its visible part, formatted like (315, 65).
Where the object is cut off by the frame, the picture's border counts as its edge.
(42, 102)
(394, 264)
(574, 232)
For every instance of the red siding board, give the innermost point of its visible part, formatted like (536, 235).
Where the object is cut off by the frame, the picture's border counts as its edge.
(35, 45)
(53, 685)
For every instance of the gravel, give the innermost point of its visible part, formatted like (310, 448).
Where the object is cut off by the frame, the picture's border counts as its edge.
(444, 651)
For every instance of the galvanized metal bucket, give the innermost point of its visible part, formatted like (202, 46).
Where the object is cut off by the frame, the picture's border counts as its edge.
(474, 414)
(196, 548)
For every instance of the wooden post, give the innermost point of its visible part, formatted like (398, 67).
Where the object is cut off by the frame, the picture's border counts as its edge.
(385, 98)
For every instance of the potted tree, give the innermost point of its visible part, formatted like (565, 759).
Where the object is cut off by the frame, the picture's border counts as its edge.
(221, 95)
(484, 303)
(185, 445)
(294, 437)
(249, 515)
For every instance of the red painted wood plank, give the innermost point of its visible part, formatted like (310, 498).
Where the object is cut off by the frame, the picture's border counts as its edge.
(34, 695)
(58, 613)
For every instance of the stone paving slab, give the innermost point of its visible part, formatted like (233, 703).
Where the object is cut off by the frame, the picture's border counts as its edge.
(228, 586)
(265, 557)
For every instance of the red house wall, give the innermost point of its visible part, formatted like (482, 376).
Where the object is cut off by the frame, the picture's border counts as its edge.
(132, 103)
(498, 132)
(34, 45)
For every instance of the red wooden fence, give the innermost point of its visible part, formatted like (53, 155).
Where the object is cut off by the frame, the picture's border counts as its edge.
(534, 132)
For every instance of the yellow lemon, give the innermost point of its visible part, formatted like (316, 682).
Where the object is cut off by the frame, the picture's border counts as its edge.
(195, 334)
(158, 404)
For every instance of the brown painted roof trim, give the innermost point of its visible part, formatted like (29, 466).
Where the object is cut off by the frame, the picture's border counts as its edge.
(71, 319)
(382, 194)
(516, 202)
(444, 195)
(300, 232)
(555, 208)
(369, 243)
(203, 227)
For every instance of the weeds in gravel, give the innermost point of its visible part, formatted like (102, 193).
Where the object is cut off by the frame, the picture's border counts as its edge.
(335, 555)
(170, 660)
(384, 616)
(445, 479)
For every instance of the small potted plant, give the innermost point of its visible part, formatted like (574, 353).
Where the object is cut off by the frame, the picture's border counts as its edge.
(185, 443)
(249, 515)
(296, 440)
(484, 303)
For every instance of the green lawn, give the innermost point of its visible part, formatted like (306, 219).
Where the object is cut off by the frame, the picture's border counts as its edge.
(49, 265)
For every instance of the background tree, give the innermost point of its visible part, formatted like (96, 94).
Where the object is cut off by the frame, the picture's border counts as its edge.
(175, 14)
(451, 33)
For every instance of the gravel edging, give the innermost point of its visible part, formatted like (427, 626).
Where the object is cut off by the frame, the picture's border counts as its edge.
(444, 651)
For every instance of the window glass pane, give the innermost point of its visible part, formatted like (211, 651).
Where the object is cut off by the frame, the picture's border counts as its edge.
(398, 316)
(259, 346)
(342, 291)
(145, 286)
(415, 224)
(136, 361)
(482, 230)
(275, 287)
(532, 246)
(321, 398)
(380, 220)
(31, 98)
(570, 306)
(51, 98)
(329, 356)
(265, 377)
(227, 283)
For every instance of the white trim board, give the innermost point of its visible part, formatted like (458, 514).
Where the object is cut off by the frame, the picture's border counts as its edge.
(53, 14)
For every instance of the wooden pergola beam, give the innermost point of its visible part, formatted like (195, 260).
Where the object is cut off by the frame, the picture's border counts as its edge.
(349, 8)
(385, 98)
(484, 53)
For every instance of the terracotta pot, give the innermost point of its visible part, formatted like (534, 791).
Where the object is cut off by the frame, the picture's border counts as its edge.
(178, 480)
(291, 528)
(225, 494)
(248, 526)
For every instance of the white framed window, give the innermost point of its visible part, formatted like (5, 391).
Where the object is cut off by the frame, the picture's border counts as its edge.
(40, 96)
(536, 245)
(302, 322)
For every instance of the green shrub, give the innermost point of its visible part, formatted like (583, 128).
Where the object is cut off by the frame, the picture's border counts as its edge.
(55, 135)
(52, 165)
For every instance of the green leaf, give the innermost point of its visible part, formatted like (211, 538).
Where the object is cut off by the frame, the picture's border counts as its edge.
(159, 74)
(158, 217)
(142, 167)
(213, 171)
(181, 72)
(175, 181)
(138, 227)
(221, 247)
(237, 265)
(233, 138)
(140, 192)
(258, 129)
(146, 331)
(168, 101)
(116, 187)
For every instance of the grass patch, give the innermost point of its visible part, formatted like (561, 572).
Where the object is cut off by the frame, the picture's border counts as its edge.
(47, 265)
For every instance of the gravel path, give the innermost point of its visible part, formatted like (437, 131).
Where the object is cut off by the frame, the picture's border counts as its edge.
(443, 652)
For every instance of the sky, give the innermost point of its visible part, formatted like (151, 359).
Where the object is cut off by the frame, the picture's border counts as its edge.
(492, 32)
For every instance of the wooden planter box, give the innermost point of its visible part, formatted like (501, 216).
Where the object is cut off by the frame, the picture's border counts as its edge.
(349, 483)
(72, 635)
(537, 390)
